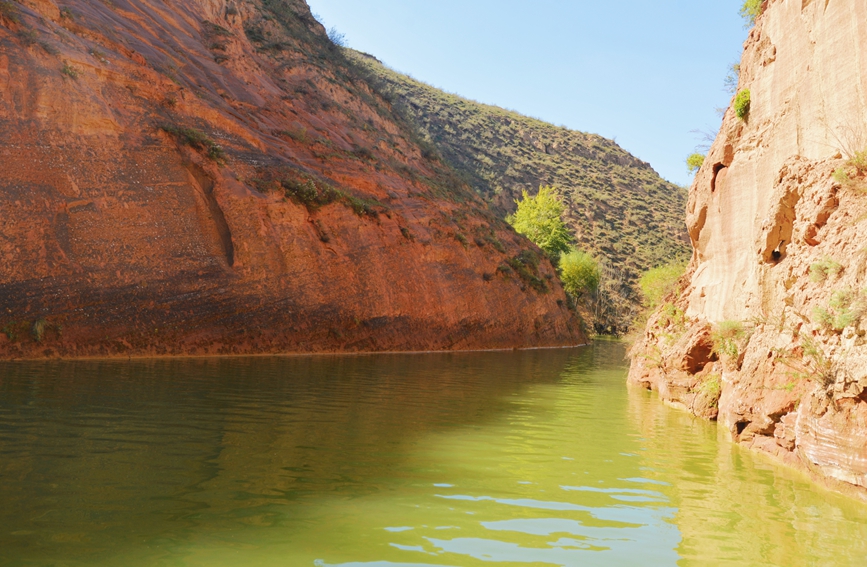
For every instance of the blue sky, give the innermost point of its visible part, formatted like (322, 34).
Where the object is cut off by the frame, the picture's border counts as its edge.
(643, 72)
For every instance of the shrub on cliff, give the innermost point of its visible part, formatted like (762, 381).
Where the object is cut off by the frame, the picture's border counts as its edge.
(750, 10)
(539, 218)
(579, 272)
(694, 162)
(855, 166)
(196, 139)
(337, 38)
(826, 266)
(742, 104)
(844, 309)
(657, 283)
(727, 337)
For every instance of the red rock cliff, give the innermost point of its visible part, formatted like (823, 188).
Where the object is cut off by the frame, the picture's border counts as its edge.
(212, 176)
(767, 333)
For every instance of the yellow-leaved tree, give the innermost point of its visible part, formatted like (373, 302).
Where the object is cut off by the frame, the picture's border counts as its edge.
(539, 218)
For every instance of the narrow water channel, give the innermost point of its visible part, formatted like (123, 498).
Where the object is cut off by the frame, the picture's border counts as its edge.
(540, 458)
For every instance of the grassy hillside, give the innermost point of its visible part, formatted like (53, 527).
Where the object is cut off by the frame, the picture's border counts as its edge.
(619, 208)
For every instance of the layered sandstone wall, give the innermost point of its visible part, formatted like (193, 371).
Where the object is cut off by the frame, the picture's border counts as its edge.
(766, 332)
(122, 235)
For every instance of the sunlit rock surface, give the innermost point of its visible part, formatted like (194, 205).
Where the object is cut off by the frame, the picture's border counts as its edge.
(156, 168)
(779, 248)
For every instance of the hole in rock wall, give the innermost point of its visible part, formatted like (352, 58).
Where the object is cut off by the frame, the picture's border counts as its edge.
(718, 176)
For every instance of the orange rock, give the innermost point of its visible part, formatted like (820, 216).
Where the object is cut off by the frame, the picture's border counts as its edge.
(154, 169)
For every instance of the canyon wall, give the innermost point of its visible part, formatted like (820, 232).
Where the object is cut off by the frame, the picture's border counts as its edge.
(215, 177)
(765, 332)
(619, 209)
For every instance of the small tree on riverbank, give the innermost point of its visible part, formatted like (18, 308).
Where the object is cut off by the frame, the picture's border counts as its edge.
(579, 272)
(540, 219)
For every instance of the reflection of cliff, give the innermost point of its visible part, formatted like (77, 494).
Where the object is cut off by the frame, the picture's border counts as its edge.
(208, 177)
(775, 217)
(732, 507)
(100, 457)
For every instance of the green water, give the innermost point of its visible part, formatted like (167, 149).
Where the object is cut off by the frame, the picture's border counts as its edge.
(490, 459)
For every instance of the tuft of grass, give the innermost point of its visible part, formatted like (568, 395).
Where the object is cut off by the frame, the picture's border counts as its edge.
(672, 316)
(70, 71)
(727, 337)
(37, 330)
(462, 239)
(712, 388)
(67, 14)
(314, 193)
(298, 134)
(526, 265)
(855, 167)
(13, 330)
(820, 366)
(844, 309)
(211, 29)
(826, 266)
(742, 104)
(196, 139)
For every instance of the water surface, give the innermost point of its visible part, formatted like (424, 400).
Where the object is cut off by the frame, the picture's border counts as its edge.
(540, 458)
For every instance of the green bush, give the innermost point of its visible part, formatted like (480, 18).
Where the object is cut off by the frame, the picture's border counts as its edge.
(742, 104)
(670, 315)
(37, 330)
(526, 265)
(694, 162)
(712, 388)
(727, 336)
(750, 10)
(579, 272)
(657, 283)
(539, 219)
(315, 193)
(856, 166)
(196, 139)
(844, 309)
(70, 71)
(819, 271)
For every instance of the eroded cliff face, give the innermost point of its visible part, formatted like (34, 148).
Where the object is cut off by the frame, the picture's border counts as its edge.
(766, 331)
(212, 176)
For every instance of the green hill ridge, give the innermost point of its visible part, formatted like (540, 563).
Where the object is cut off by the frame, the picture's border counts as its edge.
(619, 208)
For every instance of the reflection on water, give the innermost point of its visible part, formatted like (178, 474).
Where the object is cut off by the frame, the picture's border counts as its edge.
(534, 458)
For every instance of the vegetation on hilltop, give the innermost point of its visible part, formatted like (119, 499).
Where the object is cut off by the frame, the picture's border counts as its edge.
(618, 208)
